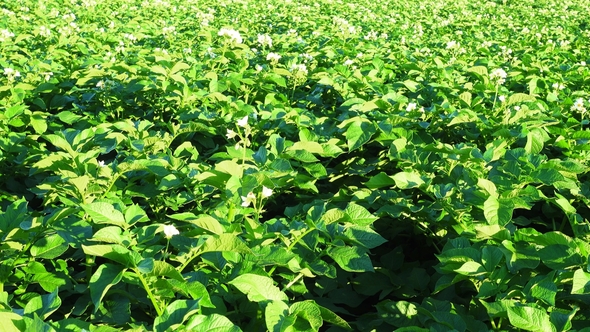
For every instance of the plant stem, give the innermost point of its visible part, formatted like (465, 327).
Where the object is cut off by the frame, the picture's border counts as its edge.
(299, 276)
(149, 292)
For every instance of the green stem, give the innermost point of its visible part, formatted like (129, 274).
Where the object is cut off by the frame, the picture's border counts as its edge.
(299, 276)
(149, 292)
(495, 98)
(117, 176)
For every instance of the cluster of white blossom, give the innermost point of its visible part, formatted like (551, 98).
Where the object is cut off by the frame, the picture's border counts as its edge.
(265, 40)
(579, 106)
(5, 35)
(498, 75)
(273, 58)
(11, 74)
(233, 35)
(44, 31)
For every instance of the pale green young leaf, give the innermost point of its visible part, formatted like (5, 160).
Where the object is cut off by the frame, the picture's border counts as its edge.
(105, 213)
(581, 283)
(258, 288)
(529, 318)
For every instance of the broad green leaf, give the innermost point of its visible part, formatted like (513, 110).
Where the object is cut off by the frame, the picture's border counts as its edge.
(471, 269)
(161, 268)
(276, 316)
(488, 186)
(563, 319)
(309, 316)
(351, 259)
(545, 290)
(466, 97)
(581, 283)
(497, 211)
(203, 221)
(529, 319)
(535, 140)
(43, 305)
(406, 180)
(258, 288)
(519, 98)
(106, 276)
(135, 214)
(211, 323)
(358, 215)
(491, 257)
(359, 133)
(115, 253)
(39, 124)
(547, 176)
(49, 247)
(177, 312)
(105, 213)
(15, 214)
(12, 322)
(379, 181)
(330, 317)
(225, 242)
(364, 236)
(312, 147)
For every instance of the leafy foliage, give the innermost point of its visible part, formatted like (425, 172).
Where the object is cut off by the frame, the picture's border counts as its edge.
(294, 165)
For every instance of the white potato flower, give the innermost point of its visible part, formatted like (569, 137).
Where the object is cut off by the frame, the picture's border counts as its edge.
(411, 107)
(243, 122)
(266, 192)
(170, 231)
(498, 75)
(248, 199)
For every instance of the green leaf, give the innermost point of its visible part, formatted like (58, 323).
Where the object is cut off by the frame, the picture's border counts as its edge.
(49, 247)
(203, 221)
(581, 284)
(351, 259)
(309, 316)
(379, 181)
(330, 317)
(225, 242)
(364, 236)
(105, 213)
(547, 176)
(160, 268)
(176, 313)
(258, 288)
(12, 322)
(535, 140)
(519, 98)
(529, 319)
(115, 253)
(471, 269)
(211, 323)
(359, 133)
(406, 180)
(106, 276)
(491, 257)
(497, 212)
(135, 214)
(545, 290)
(39, 123)
(43, 305)
(276, 316)
(358, 215)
